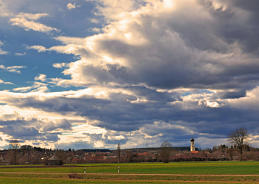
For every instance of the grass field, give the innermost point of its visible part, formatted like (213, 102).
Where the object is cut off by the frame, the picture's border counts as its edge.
(179, 172)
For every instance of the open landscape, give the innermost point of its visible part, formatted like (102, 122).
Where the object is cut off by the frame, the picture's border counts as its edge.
(129, 91)
(177, 172)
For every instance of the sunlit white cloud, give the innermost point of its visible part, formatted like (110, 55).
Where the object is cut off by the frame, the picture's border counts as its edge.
(15, 69)
(4, 82)
(71, 6)
(42, 127)
(28, 22)
(152, 71)
(36, 87)
(60, 65)
(250, 101)
(113, 56)
(41, 77)
(39, 48)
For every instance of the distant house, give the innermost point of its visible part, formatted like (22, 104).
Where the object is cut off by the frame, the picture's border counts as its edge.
(3, 161)
(192, 147)
(53, 161)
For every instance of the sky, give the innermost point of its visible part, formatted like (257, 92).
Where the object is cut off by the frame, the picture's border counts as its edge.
(95, 73)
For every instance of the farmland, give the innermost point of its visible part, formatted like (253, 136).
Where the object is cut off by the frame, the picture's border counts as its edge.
(176, 172)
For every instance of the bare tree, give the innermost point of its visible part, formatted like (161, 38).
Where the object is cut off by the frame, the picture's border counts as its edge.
(238, 138)
(165, 151)
(14, 145)
(119, 153)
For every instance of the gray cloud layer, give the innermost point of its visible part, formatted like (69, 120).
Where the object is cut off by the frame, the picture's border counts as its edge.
(168, 74)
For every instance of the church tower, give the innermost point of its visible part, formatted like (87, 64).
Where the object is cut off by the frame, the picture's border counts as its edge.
(192, 147)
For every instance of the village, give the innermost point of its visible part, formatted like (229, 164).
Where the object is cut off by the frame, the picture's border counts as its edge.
(25, 154)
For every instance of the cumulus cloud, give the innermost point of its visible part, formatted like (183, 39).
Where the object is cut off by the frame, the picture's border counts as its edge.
(60, 65)
(36, 87)
(114, 117)
(71, 6)
(199, 54)
(158, 70)
(4, 82)
(33, 126)
(41, 77)
(15, 69)
(71, 46)
(28, 22)
(39, 48)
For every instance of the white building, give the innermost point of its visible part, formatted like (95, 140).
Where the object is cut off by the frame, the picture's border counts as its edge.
(192, 147)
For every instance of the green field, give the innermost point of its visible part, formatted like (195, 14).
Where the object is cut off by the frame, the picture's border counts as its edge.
(177, 172)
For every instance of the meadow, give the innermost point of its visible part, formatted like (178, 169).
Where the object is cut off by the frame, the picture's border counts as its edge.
(175, 172)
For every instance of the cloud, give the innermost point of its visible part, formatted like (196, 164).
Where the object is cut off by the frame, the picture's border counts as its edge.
(36, 87)
(41, 77)
(60, 65)
(39, 48)
(3, 82)
(114, 9)
(71, 6)
(114, 115)
(15, 69)
(20, 53)
(73, 45)
(33, 126)
(28, 22)
(199, 54)
(4, 12)
(157, 70)
(237, 13)
(2, 52)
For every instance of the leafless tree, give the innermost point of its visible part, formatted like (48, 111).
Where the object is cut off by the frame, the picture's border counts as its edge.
(14, 146)
(238, 138)
(119, 153)
(165, 151)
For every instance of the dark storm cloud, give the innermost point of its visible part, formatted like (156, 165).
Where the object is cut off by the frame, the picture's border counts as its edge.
(250, 39)
(209, 47)
(154, 95)
(187, 52)
(235, 94)
(30, 130)
(204, 47)
(64, 125)
(121, 115)
(230, 22)
(16, 129)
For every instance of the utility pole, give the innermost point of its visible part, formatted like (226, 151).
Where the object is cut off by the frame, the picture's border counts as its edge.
(118, 153)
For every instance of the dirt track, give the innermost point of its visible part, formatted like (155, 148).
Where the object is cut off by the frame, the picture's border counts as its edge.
(115, 174)
(139, 178)
(145, 180)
